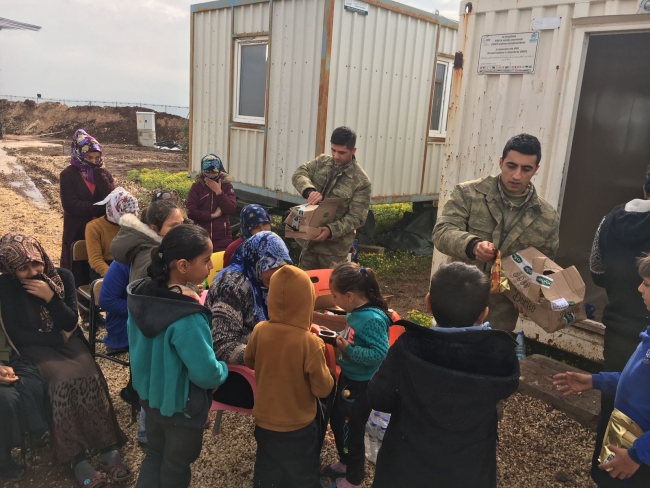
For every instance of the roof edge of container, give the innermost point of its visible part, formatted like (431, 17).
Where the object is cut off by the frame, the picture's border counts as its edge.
(217, 4)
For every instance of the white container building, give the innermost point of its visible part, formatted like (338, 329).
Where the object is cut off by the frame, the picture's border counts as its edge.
(270, 80)
(587, 98)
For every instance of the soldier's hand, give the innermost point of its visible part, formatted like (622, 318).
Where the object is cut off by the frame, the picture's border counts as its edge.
(314, 198)
(324, 234)
(484, 251)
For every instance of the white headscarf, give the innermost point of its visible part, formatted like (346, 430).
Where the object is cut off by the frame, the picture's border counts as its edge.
(118, 203)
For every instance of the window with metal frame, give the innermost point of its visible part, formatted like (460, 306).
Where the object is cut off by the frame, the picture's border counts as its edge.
(440, 107)
(249, 103)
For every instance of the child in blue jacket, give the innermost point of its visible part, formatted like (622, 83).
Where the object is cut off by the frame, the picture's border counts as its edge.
(112, 298)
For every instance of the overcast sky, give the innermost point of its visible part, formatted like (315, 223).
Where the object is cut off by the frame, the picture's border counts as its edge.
(112, 50)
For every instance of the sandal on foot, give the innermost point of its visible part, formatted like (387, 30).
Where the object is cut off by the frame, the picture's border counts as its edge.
(95, 481)
(115, 468)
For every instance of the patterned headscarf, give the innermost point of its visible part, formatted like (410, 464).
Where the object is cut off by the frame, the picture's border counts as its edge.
(119, 202)
(211, 162)
(16, 250)
(264, 251)
(82, 144)
(251, 216)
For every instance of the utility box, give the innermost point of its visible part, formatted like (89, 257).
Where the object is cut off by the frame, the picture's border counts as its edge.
(146, 125)
(270, 80)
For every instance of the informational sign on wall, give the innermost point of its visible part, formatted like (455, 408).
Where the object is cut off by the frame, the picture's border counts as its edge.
(508, 53)
(356, 6)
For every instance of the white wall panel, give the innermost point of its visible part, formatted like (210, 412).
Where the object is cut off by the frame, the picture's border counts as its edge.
(252, 18)
(433, 169)
(246, 156)
(447, 41)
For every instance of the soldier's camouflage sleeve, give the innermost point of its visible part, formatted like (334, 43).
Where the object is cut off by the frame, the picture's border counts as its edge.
(356, 214)
(553, 240)
(302, 177)
(450, 235)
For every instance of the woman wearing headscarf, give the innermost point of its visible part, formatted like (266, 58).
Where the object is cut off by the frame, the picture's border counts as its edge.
(253, 219)
(211, 201)
(101, 232)
(39, 312)
(237, 300)
(82, 184)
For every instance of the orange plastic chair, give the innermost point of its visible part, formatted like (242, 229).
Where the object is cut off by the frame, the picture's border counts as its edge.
(219, 407)
(321, 280)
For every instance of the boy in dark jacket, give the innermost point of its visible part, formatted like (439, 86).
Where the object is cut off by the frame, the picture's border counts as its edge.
(441, 386)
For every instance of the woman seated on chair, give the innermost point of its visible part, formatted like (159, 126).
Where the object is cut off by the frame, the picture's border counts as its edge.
(39, 312)
(237, 300)
(101, 232)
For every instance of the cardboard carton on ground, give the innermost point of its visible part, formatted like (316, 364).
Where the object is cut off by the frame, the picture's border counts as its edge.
(550, 296)
(308, 218)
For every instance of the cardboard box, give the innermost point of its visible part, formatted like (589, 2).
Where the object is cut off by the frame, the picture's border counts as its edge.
(551, 296)
(308, 218)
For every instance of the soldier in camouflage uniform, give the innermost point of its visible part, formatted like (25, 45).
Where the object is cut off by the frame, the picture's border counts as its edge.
(502, 213)
(335, 176)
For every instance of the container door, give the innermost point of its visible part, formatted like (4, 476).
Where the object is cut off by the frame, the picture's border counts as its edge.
(611, 145)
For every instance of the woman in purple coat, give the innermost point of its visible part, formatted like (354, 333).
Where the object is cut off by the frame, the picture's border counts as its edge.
(82, 184)
(212, 201)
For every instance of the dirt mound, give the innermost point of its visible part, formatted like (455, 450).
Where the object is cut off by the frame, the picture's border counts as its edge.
(115, 125)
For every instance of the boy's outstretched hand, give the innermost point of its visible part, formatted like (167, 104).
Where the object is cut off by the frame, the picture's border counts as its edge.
(569, 382)
(622, 466)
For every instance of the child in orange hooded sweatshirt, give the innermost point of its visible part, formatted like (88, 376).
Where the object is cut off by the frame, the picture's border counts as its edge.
(290, 371)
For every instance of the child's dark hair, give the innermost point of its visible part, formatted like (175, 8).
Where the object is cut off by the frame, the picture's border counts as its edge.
(643, 264)
(158, 212)
(350, 277)
(458, 294)
(186, 241)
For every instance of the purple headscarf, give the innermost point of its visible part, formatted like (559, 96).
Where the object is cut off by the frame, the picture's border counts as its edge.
(82, 144)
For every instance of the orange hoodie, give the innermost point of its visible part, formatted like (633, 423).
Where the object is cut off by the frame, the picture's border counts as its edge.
(289, 361)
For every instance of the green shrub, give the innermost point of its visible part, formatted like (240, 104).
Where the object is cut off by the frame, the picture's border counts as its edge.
(159, 179)
(398, 264)
(388, 214)
(420, 318)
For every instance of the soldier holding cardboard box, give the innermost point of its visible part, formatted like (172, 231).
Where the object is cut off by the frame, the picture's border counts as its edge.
(502, 213)
(335, 176)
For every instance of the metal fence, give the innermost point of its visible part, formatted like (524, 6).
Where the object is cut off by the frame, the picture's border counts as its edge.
(170, 109)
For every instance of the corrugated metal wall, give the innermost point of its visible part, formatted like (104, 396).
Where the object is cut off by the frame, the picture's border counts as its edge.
(447, 41)
(211, 84)
(252, 18)
(380, 85)
(486, 110)
(247, 155)
(293, 100)
(433, 168)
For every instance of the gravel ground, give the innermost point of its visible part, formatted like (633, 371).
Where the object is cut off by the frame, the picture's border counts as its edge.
(538, 446)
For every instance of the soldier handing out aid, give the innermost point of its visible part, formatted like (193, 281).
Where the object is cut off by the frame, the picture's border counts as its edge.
(502, 213)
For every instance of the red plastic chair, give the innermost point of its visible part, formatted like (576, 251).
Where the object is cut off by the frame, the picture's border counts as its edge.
(321, 280)
(219, 407)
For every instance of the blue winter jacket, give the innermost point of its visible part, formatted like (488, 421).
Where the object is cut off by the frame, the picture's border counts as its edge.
(112, 298)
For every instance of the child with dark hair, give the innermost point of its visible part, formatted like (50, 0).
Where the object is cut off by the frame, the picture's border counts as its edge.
(172, 361)
(363, 345)
(441, 386)
(629, 467)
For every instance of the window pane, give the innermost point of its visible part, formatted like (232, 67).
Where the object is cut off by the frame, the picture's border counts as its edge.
(438, 95)
(252, 80)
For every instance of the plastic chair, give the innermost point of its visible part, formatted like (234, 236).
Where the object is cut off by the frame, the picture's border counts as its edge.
(321, 280)
(219, 407)
(78, 252)
(217, 265)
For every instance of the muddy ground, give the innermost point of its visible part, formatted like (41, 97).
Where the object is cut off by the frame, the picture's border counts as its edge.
(539, 446)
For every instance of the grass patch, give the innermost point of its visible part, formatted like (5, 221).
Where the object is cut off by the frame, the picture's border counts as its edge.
(398, 264)
(159, 179)
(420, 318)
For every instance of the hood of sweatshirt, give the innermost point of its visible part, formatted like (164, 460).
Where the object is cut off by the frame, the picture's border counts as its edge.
(291, 298)
(154, 308)
(458, 376)
(631, 222)
(133, 237)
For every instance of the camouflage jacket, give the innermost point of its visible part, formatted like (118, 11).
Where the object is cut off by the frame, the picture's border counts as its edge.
(352, 184)
(475, 210)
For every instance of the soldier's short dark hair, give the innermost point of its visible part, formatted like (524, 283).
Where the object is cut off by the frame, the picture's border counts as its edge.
(524, 144)
(644, 266)
(344, 136)
(458, 294)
